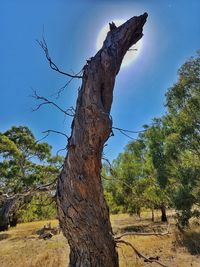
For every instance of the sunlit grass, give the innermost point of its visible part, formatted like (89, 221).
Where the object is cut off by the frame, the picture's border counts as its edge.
(21, 246)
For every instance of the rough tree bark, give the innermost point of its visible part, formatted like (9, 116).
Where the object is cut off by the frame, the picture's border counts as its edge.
(82, 210)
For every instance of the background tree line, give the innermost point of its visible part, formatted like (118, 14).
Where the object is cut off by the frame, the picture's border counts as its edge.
(162, 167)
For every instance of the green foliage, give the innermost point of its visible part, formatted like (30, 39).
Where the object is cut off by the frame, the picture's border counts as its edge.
(133, 182)
(183, 103)
(37, 208)
(163, 166)
(25, 164)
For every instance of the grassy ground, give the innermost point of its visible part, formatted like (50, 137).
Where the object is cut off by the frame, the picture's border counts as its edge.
(21, 246)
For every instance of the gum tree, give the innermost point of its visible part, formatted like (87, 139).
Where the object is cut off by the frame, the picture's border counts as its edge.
(26, 167)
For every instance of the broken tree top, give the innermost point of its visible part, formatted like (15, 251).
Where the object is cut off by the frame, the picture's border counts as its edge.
(120, 39)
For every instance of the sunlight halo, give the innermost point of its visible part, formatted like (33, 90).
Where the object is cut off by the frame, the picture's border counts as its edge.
(131, 55)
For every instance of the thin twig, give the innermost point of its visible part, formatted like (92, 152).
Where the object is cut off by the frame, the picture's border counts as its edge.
(61, 149)
(125, 134)
(48, 102)
(57, 132)
(58, 93)
(128, 131)
(52, 65)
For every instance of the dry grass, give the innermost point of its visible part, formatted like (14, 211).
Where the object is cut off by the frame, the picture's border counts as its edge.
(21, 247)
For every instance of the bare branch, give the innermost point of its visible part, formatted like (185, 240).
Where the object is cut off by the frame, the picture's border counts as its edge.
(40, 188)
(124, 132)
(52, 65)
(63, 88)
(48, 102)
(140, 255)
(128, 131)
(53, 131)
(62, 149)
(59, 92)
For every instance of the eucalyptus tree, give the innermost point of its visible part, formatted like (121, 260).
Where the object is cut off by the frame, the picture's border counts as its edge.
(26, 166)
(162, 150)
(127, 172)
(183, 103)
(133, 183)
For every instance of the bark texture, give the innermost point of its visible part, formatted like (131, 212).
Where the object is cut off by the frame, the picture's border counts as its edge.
(82, 210)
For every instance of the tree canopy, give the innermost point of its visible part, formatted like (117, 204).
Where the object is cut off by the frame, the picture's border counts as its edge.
(162, 167)
(26, 166)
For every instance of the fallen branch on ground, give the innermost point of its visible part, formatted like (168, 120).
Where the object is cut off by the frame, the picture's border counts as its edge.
(146, 259)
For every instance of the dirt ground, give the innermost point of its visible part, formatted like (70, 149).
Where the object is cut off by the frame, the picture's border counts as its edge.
(21, 246)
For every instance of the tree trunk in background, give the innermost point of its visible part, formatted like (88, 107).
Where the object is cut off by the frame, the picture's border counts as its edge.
(82, 210)
(13, 219)
(152, 215)
(138, 212)
(5, 209)
(163, 214)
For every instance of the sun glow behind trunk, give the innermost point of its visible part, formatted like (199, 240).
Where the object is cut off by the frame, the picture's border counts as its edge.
(133, 52)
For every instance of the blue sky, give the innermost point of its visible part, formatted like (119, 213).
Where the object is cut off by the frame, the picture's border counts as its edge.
(171, 36)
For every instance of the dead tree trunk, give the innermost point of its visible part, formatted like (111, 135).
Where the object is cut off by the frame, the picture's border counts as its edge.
(82, 210)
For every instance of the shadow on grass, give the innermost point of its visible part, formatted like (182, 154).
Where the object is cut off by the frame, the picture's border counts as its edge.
(4, 236)
(191, 240)
(157, 228)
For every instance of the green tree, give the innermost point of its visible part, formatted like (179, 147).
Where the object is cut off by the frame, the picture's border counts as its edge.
(25, 166)
(156, 141)
(183, 103)
(127, 170)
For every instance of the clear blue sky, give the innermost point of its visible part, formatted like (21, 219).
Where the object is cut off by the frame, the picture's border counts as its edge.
(171, 35)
